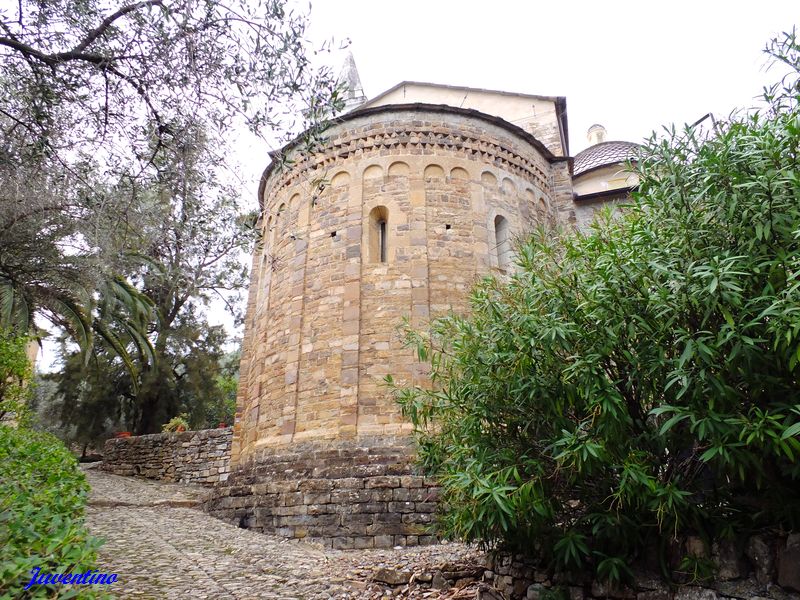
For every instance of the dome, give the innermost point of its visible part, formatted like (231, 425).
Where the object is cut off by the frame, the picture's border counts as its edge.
(603, 154)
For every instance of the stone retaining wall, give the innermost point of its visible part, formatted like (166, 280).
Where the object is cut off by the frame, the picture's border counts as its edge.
(361, 493)
(762, 567)
(188, 457)
(758, 568)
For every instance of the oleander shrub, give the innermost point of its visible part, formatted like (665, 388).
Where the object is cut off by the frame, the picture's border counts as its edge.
(42, 498)
(638, 382)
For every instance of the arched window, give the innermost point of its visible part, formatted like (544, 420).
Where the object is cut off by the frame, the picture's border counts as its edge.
(502, 241)
(379, 235)
(541, 210)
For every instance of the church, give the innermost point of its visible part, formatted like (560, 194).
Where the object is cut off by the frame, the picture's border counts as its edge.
(415, 195)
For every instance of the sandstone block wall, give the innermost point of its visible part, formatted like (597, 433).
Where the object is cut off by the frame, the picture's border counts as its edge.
(189, 457)
(345, 494)
(323, 312)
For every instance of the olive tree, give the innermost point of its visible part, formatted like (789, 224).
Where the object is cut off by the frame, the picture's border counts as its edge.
(96, 98)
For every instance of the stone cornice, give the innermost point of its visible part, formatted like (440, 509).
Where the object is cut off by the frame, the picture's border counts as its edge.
(415, 137)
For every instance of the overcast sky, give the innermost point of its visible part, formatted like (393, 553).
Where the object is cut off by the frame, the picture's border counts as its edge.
(631, 66)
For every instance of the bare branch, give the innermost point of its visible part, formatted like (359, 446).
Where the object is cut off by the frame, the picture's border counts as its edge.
(107, 22)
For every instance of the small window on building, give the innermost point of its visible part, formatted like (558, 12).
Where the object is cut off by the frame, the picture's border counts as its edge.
(280, 220)
(502, 241)
(379, 235)
(382, 239)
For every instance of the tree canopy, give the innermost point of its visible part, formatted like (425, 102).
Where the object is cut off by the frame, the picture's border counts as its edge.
(96, 101)
(638, 382)
(119, 215)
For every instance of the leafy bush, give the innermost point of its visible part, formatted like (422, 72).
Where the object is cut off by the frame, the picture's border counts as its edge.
(15, 370)
(42, 499)
(179, 423)
(640, 381)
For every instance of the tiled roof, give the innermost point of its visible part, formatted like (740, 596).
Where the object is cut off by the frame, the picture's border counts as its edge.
(605, 153)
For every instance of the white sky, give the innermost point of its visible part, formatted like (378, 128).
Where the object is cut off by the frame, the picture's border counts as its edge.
(631, 66)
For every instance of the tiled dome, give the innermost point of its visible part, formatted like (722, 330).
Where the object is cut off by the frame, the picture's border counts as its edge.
(605, 153)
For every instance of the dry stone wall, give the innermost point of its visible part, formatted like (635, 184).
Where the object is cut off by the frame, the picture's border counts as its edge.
(761, 567)
(188, 457)
(345, 494)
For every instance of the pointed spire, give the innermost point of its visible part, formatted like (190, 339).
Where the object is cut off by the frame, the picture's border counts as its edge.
(354, 92)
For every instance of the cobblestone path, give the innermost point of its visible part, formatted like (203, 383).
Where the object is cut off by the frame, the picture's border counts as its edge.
(160, 547)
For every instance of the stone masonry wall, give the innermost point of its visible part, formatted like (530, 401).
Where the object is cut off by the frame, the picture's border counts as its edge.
(348, 494)
(761, 567)
(321, 332)
(187, 457)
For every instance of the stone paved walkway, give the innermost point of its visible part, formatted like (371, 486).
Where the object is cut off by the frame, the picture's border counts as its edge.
(160, 547)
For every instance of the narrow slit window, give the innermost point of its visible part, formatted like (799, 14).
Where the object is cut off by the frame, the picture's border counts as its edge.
(502, 241)
(378, 228)
(382, 240)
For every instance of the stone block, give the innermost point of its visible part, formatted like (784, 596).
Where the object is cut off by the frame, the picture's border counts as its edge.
(728, 561)
(317, 498)
(290, 510)
(382, 528)
(391, 576)
(760, 553)
(382, 482)
(401, 507)
(292, 498)
(363, 542)
(411, 481)
(279, 487)
(689, 592)
(401, 494)
(417, 518)
(381, 495)
(418, 495)
(369, 507)
(320, 509)
(659, 594)
(342, 543)
(789, 563)
(353, 496)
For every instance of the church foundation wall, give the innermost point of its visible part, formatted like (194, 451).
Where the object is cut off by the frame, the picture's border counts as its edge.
(360, 493)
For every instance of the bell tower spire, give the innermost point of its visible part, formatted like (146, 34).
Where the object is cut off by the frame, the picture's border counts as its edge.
(354, 92)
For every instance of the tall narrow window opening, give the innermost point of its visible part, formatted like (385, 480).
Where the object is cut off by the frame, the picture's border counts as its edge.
(502, 242)
(378, 232)
(382, 239)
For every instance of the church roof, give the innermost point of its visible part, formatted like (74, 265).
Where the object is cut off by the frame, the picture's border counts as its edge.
(545, 116)
(461, 88)
(604, 154)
